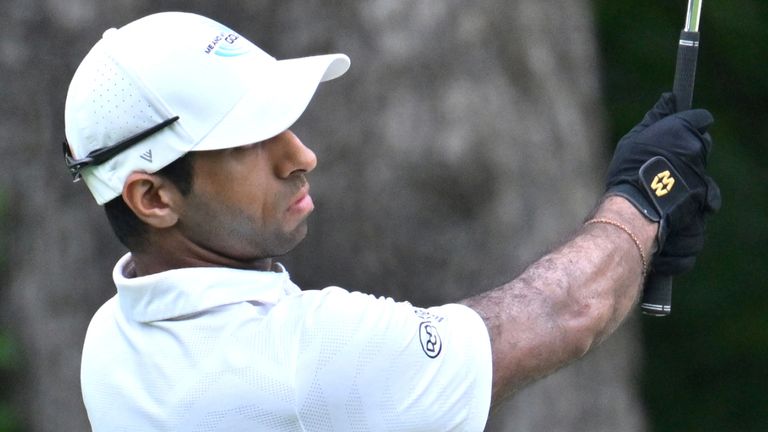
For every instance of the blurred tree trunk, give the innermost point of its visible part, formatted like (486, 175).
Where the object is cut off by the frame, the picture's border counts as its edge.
(464, 142)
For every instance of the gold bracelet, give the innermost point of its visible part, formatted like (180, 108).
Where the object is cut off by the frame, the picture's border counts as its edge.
(629, 233)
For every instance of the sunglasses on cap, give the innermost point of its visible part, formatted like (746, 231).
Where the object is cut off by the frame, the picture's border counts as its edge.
(101, 155)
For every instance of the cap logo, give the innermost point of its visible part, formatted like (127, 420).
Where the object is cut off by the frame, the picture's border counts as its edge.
(147, 155)
(225, 44)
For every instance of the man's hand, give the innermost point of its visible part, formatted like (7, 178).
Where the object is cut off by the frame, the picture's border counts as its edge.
(660, 167)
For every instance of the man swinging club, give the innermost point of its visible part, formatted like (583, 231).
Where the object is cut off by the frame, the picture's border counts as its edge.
(181, 129)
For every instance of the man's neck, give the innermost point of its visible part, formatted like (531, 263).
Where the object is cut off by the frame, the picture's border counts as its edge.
(143, 264)
(169, 255)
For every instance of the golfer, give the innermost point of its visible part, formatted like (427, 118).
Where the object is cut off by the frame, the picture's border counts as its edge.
(181, 129)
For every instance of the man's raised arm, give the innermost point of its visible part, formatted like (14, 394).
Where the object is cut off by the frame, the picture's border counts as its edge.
(571, 299)
(567, 301)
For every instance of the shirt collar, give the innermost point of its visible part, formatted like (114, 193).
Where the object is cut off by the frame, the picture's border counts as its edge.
(179, 292)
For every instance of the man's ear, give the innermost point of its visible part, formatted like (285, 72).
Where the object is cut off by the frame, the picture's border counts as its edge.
(152, 198)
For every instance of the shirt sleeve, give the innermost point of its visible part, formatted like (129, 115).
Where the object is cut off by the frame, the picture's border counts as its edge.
(368, 364)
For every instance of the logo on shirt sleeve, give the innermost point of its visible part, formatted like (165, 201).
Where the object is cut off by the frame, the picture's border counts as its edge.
(430, 339)
(427, 315)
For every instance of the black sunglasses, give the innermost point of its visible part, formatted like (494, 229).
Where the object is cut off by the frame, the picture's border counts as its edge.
(101, 155)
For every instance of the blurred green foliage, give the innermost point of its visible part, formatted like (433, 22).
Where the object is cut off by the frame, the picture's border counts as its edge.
(10, 359)
(9, 363)
(706, 365)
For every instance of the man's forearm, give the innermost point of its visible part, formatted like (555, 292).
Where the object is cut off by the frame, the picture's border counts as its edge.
(569, 300)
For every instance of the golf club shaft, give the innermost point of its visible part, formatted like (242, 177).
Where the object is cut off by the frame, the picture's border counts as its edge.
(657, 294)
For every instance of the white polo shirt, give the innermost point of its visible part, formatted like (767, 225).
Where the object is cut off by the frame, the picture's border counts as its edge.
(218, 349)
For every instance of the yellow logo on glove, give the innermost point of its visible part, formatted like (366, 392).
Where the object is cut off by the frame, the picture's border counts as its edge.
(662, 183)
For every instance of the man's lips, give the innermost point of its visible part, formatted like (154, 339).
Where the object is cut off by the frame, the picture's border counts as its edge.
(303, 202)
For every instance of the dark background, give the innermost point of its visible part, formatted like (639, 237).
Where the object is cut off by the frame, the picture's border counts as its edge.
(705, 366)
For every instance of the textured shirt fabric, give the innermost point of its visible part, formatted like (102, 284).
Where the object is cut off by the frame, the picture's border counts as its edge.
(218, 349)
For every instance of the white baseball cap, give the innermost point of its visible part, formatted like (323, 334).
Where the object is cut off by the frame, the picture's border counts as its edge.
(175, 82)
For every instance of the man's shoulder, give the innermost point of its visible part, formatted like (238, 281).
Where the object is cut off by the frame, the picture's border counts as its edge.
(105, 313)
(102, 324)
(334, 301)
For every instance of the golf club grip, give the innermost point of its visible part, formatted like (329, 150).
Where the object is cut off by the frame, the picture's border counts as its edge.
(685, 70)
(657, 293)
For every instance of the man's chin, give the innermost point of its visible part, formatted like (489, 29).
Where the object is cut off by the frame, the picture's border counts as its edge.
(292, 239)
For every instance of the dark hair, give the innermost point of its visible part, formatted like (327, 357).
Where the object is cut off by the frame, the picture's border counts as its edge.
(131, 230)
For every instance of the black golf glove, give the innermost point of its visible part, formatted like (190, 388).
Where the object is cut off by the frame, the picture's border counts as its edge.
(660, 166)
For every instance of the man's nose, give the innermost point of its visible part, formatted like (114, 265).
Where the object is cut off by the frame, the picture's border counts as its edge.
(292, 155)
